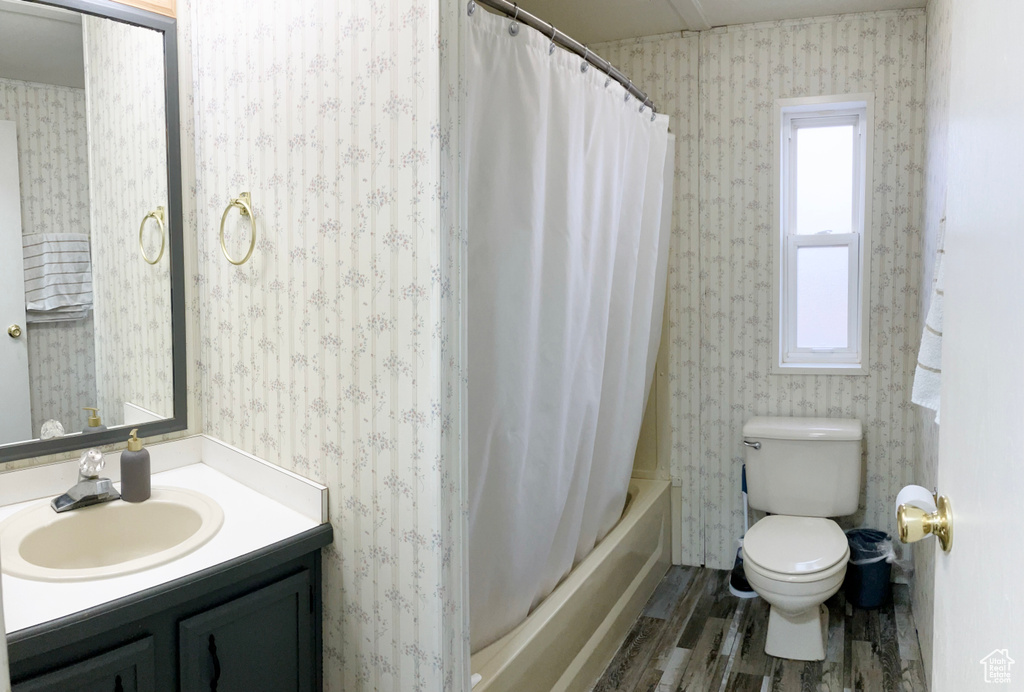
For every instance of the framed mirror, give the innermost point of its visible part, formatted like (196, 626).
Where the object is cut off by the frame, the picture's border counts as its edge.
(92, 304)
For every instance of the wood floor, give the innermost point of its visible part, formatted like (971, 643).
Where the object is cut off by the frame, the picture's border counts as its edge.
(695, 635)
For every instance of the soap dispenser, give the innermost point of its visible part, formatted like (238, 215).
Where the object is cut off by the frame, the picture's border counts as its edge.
(95, 425)
(135, 485)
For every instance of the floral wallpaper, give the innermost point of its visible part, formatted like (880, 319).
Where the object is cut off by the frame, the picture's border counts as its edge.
(61, 372)
(743, 70)
(128, 170)
(336, 350)
(454, 503)
(54, 177)
(720, 288)
(52, 158)
(936, 151)
(666, 67)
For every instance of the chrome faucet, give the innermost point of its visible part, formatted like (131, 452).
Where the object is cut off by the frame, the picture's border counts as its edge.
(90, 489)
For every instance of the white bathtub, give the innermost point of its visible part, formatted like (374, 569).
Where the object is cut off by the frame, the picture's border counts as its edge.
(569, 639)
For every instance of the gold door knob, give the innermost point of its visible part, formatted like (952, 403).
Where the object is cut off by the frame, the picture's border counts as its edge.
(914, 523)
(14, 331)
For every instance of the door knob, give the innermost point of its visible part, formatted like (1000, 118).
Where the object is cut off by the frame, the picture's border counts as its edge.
(14, 331)
(914, 523)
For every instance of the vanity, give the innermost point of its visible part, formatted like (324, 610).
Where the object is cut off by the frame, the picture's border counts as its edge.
(241, 611)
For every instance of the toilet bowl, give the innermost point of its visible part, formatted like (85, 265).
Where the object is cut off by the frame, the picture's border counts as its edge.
(796, 564)
(800, 471)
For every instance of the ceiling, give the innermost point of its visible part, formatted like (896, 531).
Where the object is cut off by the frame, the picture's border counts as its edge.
(41, 44)
(593, 21)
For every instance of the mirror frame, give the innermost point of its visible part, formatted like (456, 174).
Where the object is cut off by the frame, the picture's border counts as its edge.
(175, 240)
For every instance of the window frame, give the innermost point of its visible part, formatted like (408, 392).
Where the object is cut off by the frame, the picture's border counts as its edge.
(817, 111)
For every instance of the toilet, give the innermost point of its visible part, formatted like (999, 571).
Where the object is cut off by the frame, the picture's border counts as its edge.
(801, 471)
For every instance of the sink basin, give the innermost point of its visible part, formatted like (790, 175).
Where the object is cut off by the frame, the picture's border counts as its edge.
(107, 540)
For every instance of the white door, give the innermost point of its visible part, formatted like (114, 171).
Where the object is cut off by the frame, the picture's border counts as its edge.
(979, 585)
(15, 411)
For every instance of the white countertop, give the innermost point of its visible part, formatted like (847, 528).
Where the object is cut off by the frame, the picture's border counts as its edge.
(286, 506)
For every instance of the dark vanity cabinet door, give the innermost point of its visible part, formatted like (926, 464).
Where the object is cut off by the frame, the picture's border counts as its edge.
(126, 669)
(251, 624)
(260, 642)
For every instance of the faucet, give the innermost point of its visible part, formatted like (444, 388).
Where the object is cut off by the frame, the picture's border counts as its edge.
(90, 489)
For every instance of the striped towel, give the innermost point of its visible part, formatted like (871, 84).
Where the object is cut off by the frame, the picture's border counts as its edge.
(58, 276)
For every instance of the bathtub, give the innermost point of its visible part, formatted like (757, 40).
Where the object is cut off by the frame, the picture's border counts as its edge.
(569, 639)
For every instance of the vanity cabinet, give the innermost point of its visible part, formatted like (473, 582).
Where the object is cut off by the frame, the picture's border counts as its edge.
(252, 624)
(127, 668)
(259, 641)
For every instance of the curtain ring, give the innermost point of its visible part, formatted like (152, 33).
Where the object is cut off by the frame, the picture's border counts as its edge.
(608, 76)
(653, 113)
(470, 8)
(628, 94)
(551, 48)
(513, 28)
(586, 65)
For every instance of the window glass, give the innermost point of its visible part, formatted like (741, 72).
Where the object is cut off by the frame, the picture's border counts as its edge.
(822, 296)
(824, 179)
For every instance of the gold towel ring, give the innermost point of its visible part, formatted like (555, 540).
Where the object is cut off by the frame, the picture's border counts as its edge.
(158, 216)
(244, 204)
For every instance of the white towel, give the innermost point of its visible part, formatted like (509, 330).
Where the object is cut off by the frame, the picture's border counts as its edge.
(58, 276)
(928, 376)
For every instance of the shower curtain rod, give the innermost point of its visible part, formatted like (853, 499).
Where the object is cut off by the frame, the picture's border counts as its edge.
(565, 41)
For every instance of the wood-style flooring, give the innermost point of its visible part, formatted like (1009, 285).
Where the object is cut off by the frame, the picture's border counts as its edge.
(695, 635)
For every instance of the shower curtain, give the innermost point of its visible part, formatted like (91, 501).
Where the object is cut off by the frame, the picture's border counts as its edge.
(566, 279)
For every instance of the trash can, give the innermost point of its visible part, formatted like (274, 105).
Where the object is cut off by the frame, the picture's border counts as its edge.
(867, 575)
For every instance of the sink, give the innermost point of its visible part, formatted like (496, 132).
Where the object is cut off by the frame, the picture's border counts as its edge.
(109, 539)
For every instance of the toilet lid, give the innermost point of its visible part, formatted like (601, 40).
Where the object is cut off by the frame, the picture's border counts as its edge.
(795, 545)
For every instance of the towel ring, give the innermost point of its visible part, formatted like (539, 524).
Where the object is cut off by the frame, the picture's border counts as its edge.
(244, 204)
(157, 215)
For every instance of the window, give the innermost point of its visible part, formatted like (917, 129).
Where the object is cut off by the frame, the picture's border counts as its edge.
(824, 168)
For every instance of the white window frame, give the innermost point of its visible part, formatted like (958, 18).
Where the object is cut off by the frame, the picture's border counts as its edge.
(858, 110)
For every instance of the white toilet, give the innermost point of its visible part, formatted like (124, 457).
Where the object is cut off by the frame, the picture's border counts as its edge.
(802, 471)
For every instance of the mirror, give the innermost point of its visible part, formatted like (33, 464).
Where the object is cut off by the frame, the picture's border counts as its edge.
(91, 263)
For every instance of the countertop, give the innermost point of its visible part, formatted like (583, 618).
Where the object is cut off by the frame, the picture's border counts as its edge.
(287, 505)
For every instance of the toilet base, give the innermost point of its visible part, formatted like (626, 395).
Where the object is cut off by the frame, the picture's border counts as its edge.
(801, 637)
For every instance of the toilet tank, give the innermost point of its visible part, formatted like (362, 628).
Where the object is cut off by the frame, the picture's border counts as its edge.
(807, 467)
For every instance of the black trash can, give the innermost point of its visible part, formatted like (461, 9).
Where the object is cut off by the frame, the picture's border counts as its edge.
(867, 574)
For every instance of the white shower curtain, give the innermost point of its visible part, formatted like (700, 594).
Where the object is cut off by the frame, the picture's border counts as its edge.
(564, 184)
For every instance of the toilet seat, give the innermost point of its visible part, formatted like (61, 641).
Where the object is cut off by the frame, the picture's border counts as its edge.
(795, 548)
